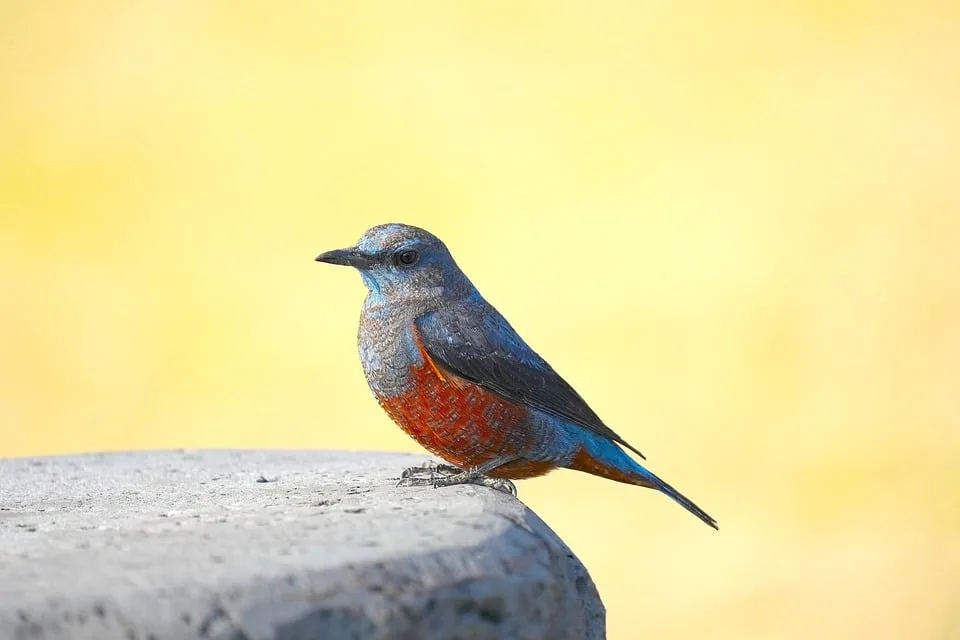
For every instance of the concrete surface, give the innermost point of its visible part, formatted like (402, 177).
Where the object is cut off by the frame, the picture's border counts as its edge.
(248, 545)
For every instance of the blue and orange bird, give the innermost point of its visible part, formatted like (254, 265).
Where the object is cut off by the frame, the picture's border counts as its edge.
(456, 377)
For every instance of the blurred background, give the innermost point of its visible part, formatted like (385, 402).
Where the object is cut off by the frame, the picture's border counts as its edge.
(733, 228)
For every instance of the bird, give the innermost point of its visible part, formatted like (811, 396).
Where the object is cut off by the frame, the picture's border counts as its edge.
(449, 369)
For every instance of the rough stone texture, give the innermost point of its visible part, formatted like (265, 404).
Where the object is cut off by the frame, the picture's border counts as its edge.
(247, 545)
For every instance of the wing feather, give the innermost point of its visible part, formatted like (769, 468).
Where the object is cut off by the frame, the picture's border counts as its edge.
(472, 340)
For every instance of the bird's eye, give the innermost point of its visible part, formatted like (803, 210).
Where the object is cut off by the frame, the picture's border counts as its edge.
(406, 257)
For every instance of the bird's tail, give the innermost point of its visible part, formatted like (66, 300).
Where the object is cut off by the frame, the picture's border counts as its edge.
(609, 461)
(682, 500)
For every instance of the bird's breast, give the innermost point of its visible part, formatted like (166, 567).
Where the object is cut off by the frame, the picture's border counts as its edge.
(387, 350)
(455, 419)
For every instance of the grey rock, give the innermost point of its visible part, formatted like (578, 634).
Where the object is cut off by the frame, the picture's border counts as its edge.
(254, 544)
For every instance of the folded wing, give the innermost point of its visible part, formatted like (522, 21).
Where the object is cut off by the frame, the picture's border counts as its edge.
(472, 340)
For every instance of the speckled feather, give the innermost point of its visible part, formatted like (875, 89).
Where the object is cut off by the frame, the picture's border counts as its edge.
(456, 377)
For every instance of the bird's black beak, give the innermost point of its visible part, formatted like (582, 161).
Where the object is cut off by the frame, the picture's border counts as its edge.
(348, 257)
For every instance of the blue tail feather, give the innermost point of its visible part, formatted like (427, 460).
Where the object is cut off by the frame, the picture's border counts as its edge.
(608, 453)
(682, 500)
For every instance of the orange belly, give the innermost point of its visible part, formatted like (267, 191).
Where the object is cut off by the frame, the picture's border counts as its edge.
(463, 423)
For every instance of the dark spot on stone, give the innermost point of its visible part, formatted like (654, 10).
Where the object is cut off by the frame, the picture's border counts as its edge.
(355, 510)
(327, 502)
(207, 623)
(581, 584)
(99, 611)
(262, 478)
(131, 634)
(491, 610)
(187, 619)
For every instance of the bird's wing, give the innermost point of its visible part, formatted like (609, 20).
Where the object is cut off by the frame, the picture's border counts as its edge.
(473, 341)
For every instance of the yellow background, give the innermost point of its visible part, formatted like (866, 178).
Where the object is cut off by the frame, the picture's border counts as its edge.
(733, 227)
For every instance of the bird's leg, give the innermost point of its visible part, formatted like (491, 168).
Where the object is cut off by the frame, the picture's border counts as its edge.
(475, 475)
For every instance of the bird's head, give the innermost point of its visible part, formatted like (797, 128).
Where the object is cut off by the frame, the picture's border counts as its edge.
(402, 261)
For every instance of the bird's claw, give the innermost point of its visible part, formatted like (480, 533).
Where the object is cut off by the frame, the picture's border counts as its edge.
(431, 469)
(432, 474)
(416, 481)
(499, 484)
(449, 481)
(426, 474)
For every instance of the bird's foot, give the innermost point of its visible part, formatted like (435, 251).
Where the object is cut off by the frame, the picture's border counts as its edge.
(432, 469)
(426, 474)
(432, 474)
(500, 484)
